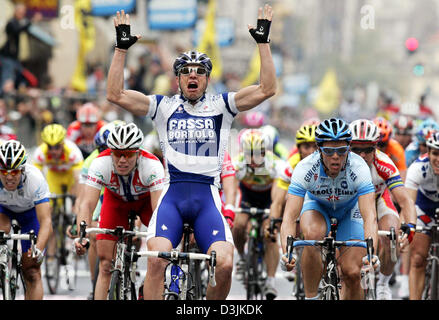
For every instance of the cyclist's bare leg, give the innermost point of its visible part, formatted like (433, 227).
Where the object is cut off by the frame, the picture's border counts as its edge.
(105, 251)
(32, 278)
(153, 284)
(272, 257)
(418, 261)
(386, 264)
(223, 272)
(350, 262)
(313, 227)
(239, 232)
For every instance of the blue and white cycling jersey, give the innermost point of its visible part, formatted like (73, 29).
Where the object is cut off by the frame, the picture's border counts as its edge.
(337, 195)
(193, 138)
(420, 177)
(411, 152)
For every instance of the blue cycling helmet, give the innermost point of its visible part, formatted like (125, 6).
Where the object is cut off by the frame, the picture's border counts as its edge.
(192, 58)
(333, 129)
(424, 128)
(102, 135)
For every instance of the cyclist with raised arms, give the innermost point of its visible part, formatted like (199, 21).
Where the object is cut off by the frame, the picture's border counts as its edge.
(422, 183)
(388, 184)
(133, 180)
(193, 128)
(331, 183)
(24, 196)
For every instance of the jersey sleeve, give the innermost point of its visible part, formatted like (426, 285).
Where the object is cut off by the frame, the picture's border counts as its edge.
(227, 170)
(155, 176)
(38, 187)
(229, 100)
(298, 184)
(154, 102)
(96, 176)
(362, 176)
(39, 158)
(413, 178)
(283, 181)
(75, 157)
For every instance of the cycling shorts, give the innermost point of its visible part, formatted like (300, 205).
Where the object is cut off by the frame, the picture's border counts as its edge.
(386, 206)
(198, 204)
(250, 198)
(350, 222)
(114, 212)
(424, 219)
(27, 220)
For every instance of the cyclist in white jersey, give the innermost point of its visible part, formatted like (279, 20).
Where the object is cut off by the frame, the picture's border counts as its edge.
(423, 185)
(331, 182)
(193, 129)
(24, 196)
(133, 180)
(388, 184)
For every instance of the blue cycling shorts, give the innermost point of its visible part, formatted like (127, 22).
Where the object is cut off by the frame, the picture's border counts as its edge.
(198, 204)
(27, 220)
(350, 222)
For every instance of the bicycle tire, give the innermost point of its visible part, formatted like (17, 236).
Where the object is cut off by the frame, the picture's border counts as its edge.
(330, 292)
(299, 289)
(52, 279)
(427, 282)
(116, 286)
(254, 289)
(6, 289)
(434, 280)
(196, 281)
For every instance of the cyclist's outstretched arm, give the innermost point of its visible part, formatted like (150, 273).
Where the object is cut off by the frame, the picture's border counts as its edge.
(44, 217)
(291, 213)
(366, 204)
(408, 211)
(133, 101)
(251, 96)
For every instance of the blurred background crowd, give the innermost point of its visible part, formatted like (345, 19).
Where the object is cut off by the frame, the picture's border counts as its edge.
(356, 58)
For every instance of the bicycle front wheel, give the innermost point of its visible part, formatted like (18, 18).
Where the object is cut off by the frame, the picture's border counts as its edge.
(254, 287)
(116, 287)
(434, 280)
(6, 289)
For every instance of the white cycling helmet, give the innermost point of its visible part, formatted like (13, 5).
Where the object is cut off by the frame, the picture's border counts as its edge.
(123, 137)
(12, 155)
(364, 130)
(433, 140)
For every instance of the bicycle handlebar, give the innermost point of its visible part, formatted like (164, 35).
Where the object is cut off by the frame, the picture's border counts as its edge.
(30, 236)
(252, 211)
(176, 256)
(114, 232)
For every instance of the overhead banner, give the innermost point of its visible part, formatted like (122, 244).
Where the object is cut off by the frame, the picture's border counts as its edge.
(106, 8)
(171, 14)
(48, 8)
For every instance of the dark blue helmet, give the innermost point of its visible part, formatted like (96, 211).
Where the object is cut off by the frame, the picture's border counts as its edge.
(333, 129)
(192, 58)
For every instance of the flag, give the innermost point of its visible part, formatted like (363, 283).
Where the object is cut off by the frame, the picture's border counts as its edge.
(254, 69)
(86, 31)
(209, 44)
(328, 95)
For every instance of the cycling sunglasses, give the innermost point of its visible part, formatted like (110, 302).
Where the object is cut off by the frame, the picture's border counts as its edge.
(55, 147)
(329, 151)
(126, 153)
(12, 172)
(365, 150)
(197, 70)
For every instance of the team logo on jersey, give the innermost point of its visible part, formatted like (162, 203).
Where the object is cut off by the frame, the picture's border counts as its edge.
(344, 184)
(192, 135)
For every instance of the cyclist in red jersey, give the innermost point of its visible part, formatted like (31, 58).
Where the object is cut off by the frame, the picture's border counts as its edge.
(83, 130)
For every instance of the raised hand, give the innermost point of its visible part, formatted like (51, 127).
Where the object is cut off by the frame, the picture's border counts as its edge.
(124, 39)
(262, 31)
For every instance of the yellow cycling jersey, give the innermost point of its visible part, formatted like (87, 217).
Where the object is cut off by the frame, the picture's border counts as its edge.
(59, 172)
(283, 181)
(71, 158)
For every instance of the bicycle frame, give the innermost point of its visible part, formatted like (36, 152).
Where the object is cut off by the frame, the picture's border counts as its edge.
(5, 256)
(330, 279)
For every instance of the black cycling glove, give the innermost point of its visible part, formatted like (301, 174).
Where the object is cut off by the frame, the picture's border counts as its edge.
(262, 31)
(124, 39)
